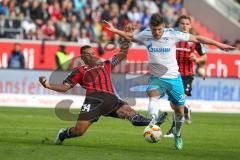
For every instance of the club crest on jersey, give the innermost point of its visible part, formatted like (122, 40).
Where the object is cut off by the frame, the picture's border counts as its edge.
(165, 38)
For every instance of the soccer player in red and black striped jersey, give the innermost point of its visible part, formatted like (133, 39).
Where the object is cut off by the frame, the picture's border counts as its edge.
(186, 58)
(100, 97)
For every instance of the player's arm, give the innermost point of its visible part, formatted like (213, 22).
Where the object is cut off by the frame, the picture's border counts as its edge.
(199, 49)
(124, 34)
(124, 46)
(199, 60)
(205, 40)
(55, 87)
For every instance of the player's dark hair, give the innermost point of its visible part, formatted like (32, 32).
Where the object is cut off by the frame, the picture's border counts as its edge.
(181, 18)
(83, 48)
(156, 19)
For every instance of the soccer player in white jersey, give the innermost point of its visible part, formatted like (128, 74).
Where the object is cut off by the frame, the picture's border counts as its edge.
(165, 78)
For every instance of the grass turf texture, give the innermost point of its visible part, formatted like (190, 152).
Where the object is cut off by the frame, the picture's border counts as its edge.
(28, 133)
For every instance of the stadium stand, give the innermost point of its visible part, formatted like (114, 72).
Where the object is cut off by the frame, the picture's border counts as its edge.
(80, 20)
(75, 20)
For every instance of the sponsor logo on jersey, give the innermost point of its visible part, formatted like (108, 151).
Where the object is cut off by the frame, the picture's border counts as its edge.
(156, 50)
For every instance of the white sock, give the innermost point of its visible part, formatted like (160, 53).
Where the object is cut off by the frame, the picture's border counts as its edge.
(179, 121)
(153, 107)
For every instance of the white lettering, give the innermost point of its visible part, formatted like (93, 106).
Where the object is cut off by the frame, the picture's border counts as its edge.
(31, 58)
(221, 68)
(237, 62)
(210, 67)
(4, 60)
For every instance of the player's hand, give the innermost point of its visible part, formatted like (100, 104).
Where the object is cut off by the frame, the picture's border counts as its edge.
(43, 81)
(193, 57)
(110, 26)
(225, 47)
(129, 28)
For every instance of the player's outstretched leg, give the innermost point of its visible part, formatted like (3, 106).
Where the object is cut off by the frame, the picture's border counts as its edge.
(140, 120)
(126, 112)
(153, 109)
(187, 116)
(179, 121)
(78, 130)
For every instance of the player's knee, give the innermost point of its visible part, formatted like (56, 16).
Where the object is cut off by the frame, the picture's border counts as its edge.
(179, 117)
(179, 110)
(155, 94)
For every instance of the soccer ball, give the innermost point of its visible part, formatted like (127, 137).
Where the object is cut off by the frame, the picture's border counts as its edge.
(152, 133)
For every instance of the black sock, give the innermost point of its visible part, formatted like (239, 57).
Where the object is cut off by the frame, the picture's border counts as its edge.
(140, 120)
(65, 134)
(173, 125)
(186, 110)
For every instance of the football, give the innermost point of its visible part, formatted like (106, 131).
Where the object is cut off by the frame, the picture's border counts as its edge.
(152, 133)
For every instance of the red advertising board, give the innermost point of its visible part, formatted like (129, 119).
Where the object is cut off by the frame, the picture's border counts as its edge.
(40, 55)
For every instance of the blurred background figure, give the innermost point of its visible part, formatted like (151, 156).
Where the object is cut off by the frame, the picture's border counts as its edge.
(16, 60)
(62, 59)
(237, 45)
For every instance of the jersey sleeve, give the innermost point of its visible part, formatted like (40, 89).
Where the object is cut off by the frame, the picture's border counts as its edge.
(142, 36)
(73, 77)
(180, 36)
(200, 49)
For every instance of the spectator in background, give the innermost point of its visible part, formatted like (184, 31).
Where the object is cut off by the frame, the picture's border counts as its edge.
(177, 5)
(170, 11)
(84, 39)
(12, 25)
(66, 8)
(55, 11)
(64, 27)
(28, 27)
(4, 8)
(74, 36)
(78, 5)
(49, 30)
(97, 28)
(152, 6)
(16, 60)
(225, 41)
(74, 22)
(237, 46)
(145, 18)
(106, 13)
(45, 13)
(134, 15)
(2, 21)
(123, 17)
(25, 8)
(62, 59)
(36, 12)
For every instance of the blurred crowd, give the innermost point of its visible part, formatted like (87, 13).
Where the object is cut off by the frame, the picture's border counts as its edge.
(79, 20)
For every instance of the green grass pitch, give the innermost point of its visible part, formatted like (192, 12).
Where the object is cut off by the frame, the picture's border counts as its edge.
(27, 134)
